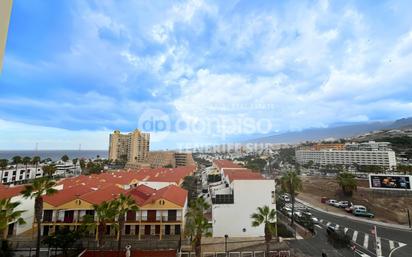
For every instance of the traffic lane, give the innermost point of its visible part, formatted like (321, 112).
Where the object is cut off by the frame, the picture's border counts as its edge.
(314, 246)
(383, 232)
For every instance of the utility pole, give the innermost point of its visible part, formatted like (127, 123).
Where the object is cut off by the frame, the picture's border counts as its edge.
(409, 217)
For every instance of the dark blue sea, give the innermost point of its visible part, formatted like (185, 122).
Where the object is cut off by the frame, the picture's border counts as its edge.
(55, 154)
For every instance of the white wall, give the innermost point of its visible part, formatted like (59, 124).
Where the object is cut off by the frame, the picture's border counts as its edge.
(231, 219)
(28, 215)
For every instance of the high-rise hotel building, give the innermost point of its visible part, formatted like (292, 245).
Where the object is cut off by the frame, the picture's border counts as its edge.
(131, 147)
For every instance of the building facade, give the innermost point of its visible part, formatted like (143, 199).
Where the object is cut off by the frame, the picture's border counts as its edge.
(160, 215)
(130, 147)
(385, 159)
(11, 175)
(238, 194)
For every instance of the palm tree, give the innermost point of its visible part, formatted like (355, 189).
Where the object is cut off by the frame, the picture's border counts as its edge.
(16, 161)
(26, 160)
(347, 182)
(36, 160)
(65, 158)
(197, 225)
(9, 214)
(123, 204)
(3, 165)
(39, 188)
(105, 213)
(291, 183)
(49, 170)
(266, 216)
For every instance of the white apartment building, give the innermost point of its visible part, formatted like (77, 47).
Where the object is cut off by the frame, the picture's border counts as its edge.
(330, 157)
(67, 169)
(235, 198)
(12, 176)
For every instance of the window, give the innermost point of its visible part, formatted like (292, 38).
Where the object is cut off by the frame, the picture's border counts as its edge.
(177, 229)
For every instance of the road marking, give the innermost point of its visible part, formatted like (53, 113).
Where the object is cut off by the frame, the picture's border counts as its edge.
(362, 254)
(355, 235)
(337, 226)
(327, 224)
(366, 241)
(391, 244)
(318, 226)
(320, 221)
(378, 246)
(345, 230)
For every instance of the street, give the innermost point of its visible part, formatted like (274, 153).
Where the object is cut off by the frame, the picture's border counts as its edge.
(394, 242)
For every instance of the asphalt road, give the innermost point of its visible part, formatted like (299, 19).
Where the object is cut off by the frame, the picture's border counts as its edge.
(394, 242)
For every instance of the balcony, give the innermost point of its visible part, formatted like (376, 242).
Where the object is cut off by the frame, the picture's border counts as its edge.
(223, 199)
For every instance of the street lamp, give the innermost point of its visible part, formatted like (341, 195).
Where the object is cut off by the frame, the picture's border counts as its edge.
(226, 236)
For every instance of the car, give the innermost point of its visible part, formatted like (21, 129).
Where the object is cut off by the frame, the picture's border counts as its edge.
(331, 202)
(359, 207)
(341, 204)
(315, 220)
(363, 213)
(352, 207)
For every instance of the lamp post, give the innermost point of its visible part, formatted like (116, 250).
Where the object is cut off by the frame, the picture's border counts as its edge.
(226, 236)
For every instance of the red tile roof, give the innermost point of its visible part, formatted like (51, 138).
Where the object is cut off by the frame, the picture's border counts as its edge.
(141, 193)
(242, 175)
(8, 192)
(170, 193)
(66, 195)
(225, 164)
(107, 193)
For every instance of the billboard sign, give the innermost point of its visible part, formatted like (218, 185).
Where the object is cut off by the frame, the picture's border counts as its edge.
(391, 182)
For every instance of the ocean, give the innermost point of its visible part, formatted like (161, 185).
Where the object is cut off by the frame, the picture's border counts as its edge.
(55, 154)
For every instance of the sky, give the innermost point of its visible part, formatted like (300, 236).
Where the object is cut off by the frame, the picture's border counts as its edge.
(199, 72)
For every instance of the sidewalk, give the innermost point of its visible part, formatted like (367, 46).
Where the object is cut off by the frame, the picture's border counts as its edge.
(383, 224)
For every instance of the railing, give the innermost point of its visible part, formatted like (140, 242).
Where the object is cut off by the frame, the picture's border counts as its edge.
(281, 253)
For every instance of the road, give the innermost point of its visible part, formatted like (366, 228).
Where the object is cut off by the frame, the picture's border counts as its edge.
(394, 242)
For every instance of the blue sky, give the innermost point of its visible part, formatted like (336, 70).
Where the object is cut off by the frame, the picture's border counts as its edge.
(76, 70)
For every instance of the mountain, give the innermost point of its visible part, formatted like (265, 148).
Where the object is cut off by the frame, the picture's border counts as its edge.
(335, 132)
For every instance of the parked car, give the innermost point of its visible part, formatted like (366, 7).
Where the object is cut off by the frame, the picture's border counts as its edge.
(315, 220)
(363, 213)
(353, 207)
(331, 201)
(342, 204)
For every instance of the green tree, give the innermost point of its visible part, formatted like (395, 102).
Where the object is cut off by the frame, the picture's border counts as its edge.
(105, 213)
(36, 160)
(3, 164)
(189, 183)
(39, 188)
(291, 184)
(63, 239)
(267, 217)
(49, 170)
(16, 161)
(65, 158)
(347, 182)
(123, 204)
(8, 213)
(26, 161)
(196, 224)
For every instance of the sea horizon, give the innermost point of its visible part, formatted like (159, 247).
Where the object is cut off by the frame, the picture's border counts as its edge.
(55, 154)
